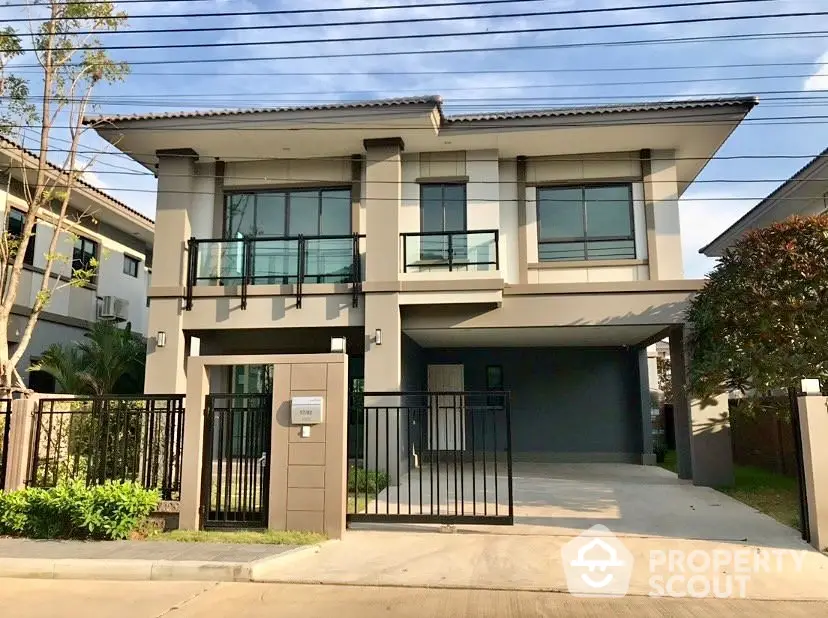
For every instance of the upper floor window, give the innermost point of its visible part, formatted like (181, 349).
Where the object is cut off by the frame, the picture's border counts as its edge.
(592, 222)
(131, 265)
(15, 231)
(84, 252)
(442, 207)
(310, 212)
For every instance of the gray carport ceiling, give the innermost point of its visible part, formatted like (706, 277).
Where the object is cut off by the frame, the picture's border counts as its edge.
(591, 336)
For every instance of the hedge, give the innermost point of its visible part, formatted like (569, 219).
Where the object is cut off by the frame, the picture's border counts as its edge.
(71, 510)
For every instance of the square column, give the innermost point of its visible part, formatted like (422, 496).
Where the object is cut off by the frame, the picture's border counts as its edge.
(383, 196)
(681, 404)
(648, 457)
(165, 369)
(813, 422)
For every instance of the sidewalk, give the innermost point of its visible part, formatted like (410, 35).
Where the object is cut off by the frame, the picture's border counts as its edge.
(138, 560)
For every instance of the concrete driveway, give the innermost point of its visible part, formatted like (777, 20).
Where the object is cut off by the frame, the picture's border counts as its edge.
(654, 514)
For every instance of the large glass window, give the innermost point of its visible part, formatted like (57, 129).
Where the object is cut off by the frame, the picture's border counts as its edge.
(15, 231)
(84, 252)
(585, 223)
(310, 212)
(279, 217)
(442, 209)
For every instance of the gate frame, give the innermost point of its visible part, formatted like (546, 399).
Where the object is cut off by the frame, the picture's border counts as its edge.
(5, 442)
(431, 518)
(266, 409)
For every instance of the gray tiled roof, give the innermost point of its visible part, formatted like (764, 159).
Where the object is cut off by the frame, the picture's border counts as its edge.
(438, 102)
(424, 100)
(605, 109)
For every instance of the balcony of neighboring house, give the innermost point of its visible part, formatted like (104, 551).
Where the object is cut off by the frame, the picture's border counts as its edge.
(286, 258)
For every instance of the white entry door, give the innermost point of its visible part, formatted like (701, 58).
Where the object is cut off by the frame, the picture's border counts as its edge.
(447, 421)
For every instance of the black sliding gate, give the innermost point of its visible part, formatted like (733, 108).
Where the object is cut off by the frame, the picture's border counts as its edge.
(430, 457)
(236, 468)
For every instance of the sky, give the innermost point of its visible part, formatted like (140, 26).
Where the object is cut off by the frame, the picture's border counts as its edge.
(788, 74)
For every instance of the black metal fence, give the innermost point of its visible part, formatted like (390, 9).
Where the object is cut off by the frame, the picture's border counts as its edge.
(236, 465)
(109, 438)
(431, 457)
(5, 429)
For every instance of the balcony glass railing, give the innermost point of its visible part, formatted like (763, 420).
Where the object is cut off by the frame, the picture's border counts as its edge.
(466, 251)
(276, 261)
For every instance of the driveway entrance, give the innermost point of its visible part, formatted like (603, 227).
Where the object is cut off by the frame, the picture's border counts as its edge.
(648, 507)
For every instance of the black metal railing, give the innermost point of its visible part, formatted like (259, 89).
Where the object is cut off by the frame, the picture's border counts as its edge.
(431, 457)
(5, 430)
(476, 250)
(236, 465)
(580, 249)
(291, 260)
(113, 437)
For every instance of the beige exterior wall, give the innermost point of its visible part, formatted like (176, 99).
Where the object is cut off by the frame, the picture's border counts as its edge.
(388, 205)
(307, 473)
(285, 172)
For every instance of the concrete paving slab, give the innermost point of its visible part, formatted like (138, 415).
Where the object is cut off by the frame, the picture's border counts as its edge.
(136, 560)
(36, 599)
(648, 508)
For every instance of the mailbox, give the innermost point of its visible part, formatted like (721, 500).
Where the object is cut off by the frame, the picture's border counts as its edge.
(306, 410)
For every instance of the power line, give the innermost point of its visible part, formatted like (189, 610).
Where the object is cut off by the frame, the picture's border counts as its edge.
(281, 12)
(454, 72)
(403, 91)
(441, 35)
(406, 20)
(759, 36)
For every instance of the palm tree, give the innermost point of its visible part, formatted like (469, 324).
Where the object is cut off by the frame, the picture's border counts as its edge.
(109, 360)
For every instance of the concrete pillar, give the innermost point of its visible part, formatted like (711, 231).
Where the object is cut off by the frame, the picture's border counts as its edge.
(383, 373)
(20, 440)
(383, 195)
(813, 419)
(165, 370)
(662, 214)
(711, 446)
(648, 457)
(681, 404)
(198, 385)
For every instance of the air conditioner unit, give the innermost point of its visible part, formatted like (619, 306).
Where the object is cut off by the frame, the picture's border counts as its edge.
(113, 308)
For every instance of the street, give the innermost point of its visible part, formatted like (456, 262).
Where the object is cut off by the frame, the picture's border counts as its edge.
(100, 599)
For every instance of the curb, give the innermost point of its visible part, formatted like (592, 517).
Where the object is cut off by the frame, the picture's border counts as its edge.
(141, 570)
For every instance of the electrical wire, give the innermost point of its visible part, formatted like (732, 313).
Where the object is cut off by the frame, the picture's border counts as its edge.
(442, 35)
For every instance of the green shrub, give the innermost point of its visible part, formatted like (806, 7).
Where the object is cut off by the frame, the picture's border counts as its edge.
(360, 481)
(71, 510)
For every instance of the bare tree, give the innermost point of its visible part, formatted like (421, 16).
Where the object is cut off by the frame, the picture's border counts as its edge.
(62, 40)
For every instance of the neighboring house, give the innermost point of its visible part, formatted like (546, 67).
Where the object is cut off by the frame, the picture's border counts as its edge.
(804, 193)
(102, 227)
(537, 252)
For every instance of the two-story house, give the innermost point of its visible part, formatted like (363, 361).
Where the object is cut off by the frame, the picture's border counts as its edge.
(531, 251)
(99, 227)
(805, 193)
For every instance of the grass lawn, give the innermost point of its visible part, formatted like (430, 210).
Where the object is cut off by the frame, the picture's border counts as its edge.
(774, 494)
(257, 537)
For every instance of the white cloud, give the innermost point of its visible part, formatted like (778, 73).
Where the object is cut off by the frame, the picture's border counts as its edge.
(93, 179)
(703, 218)
(819, 80)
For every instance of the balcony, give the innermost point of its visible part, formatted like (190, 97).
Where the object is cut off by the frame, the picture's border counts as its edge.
(464, 251)
(294, 260)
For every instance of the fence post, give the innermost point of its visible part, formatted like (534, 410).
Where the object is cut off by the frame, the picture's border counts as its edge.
(813, 419)
(20, 441)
